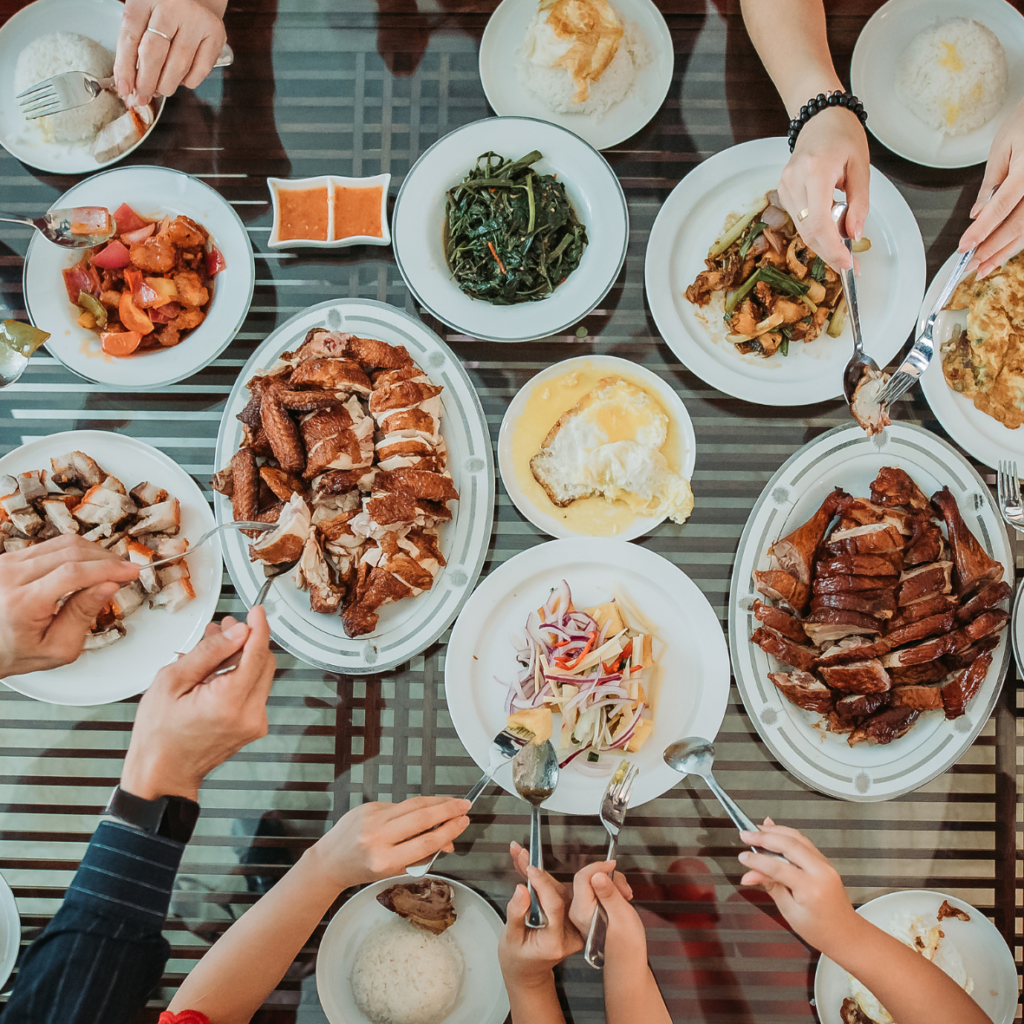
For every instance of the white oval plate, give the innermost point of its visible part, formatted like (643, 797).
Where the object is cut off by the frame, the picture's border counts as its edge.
(499, 48)
(892, 276)
(405, 627)
(845, 457)
(693, 682)
(877, 55)
(980, 435)
(419, 221)
(10, 930)
(477, 929)
(546, 520)
(96, 19)
(154, 635)
(985, 954)
(150, 191)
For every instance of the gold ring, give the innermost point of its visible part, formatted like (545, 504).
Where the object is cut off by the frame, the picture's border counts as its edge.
(157, 32)
(803, 214)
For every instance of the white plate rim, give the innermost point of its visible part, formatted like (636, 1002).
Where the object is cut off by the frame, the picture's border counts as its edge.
(11, 922)
(1017, 630)
(480, 484)
(216, 349)
(410, 178)
(641, 525)
(741, 587)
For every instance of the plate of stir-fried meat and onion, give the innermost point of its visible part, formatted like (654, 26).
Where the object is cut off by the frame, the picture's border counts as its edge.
(749, 307)
(356, 431)
(132, 499)
(159, 301)
(868, 612)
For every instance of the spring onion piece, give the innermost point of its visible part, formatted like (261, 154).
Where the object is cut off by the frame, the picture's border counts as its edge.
(725, 240)
(782, 282)
(755, 229)
(838, 319)
(742, 292)
(818, 270)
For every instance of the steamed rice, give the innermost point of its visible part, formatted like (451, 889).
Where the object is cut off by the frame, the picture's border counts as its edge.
(404, 975)
(953, 76)
(53, 55)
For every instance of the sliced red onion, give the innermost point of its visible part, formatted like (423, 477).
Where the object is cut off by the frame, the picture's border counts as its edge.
(775, 218)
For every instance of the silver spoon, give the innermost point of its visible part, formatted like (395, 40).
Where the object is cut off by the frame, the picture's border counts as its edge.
(535, 775)
(57, 226)
(859, 362)
(695, 756)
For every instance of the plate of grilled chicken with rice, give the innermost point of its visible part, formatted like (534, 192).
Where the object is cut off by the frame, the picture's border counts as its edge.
(357, 432)
(868, 611)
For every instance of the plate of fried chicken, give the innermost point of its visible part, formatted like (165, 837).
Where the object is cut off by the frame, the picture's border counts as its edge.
(868, 611)
(357, 432)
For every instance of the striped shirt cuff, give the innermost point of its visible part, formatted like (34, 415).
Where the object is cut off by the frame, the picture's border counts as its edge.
(126, 873)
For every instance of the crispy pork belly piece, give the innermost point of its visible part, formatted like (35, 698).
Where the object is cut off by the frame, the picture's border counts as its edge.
(338, 438)
(104, 638)
(331, 375)
(313, 574)
(986, 624)
(853, 648)
(418, 483)
(925, 543)
(894, 486)
(282, 433)
(937, 604)
(784, 587)
(795, 552)
(922, 696)
(56, 511)
(283, 484)
(871, 539)
(162, 518)
(111, 483)
(76, 469)
(923, 628)
(97, 533)
(31, 486)
(142, 556)
(103, 506)
(885, 726)
(174, 596)
(845, 584)
(957, 693)
(244, 485)
(984, 600)
(128, 599)
(860, 511)
(961, 659)
(781, 621)
(880, 604)
(803, 690)
(866, 676)
(428, 904)
(860, 565)
(974, 567)
(917, 675)
(168, 547)
(831, 624)
(285, 543)
(148, 494)
(924, 581)
(789, 653)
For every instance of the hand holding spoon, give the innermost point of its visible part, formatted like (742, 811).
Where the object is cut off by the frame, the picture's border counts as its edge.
(535, 775)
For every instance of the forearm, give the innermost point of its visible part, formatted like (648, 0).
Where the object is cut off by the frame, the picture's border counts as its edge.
(911, 988)
(802, 67)
(535, 1003)
(631, 993)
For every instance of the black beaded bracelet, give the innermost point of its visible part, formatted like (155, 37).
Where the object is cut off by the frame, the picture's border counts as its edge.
(818, 104)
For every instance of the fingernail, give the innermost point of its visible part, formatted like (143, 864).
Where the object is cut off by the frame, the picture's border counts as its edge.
(975, 210)
(239, 631)
(744, 857)
(745, 835)
(465, 804)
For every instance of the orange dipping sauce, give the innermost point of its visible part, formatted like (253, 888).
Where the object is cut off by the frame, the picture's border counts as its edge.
(303, 213)
(357, 211)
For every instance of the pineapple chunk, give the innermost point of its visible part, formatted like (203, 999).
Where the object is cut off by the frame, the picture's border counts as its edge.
(531, 724)
(643, 652)
(643, 730)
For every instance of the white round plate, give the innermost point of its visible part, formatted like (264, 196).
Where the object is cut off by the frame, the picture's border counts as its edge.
(877, 56)
(154, 635)
(151, 191)
(405, 627)
(96, 19)
(477, 929)
(845, 457)
(499, 56)
(693, 681)
(985, 954)
(418, 224)
(10, 930)
(982, 436)
(892, 276)
(546, 518)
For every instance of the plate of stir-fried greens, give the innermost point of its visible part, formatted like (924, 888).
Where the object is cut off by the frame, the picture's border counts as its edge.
(510, 229)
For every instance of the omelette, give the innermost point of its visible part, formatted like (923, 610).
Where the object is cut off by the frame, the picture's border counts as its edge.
(985, 363)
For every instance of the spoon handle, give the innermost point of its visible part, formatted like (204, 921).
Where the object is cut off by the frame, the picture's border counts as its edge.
(10, 218)
(850, 291)
(739, 819)
(535, 916)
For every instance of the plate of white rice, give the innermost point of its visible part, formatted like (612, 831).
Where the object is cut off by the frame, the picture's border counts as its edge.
(31, 50)
(938, 77)
(376, 968)
(628, 94)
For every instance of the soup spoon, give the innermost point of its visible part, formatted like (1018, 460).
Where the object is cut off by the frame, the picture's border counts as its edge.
(78, 227)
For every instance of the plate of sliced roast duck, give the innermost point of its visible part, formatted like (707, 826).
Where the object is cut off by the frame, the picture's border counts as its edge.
(869, 610)
(355, 432)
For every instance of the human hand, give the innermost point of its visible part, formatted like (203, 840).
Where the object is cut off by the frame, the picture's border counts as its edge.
(147, 64)
(998, 214)
(34, 635)
(186, 725)
(831, 152)
(808, 890)
(625, 937)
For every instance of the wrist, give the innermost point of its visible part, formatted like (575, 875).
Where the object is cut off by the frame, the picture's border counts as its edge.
(323, 866)
(150, 781)
(526, 977)
(808, 86)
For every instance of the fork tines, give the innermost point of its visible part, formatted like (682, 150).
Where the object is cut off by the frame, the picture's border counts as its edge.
(621, 791)
(1008, 488)
(899, 384)
(40, 100)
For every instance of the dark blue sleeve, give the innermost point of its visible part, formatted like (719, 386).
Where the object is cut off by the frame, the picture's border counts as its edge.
(104, 952)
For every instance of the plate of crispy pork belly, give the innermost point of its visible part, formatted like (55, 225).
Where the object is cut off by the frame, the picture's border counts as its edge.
(868, 611)
(356, 430)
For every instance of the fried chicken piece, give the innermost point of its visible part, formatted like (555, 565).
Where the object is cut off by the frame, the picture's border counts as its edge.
(283, 484)
(418, 483)
(282, 434)
(191, 291)
(894, 486)
(974, 567)
(244, 485)
(948, 910)
(307, 401)
(256, 439)
(402, 395)
(284, 544)
(155, 255)
(796, 551)
(428, 904)
(185, 233)
(186, 320)
(337, 438)
(332, 375)
(409, 422)
(367, 352)
(342, 481)
(313, 574)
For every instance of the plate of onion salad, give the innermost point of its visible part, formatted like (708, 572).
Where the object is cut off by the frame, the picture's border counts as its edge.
(685, 684)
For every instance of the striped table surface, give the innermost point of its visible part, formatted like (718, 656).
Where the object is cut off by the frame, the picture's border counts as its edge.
(354, 88)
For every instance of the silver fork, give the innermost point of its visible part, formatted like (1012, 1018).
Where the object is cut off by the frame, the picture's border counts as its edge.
(1010, 503)
(240, 525)
(504, 747)
(918, 358)
(613, 816)
(76, 88)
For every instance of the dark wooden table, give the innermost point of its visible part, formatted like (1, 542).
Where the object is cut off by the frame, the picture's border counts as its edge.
(353, 88)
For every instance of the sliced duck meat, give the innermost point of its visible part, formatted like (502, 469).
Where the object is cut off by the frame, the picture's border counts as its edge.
(428, 904)
(803, 690)
(866, 676)
(853, 648)
(927, 650)
(872, 539)
(861, 511)
(244, 485)
(912, 675)
(782, 622)
(894, 486)
(925, 543)
(282, 433)
(987, 598)
(796, 551)
(779, 585)
(884, 726)
(860, 565)
(852, 709)
(843, 584)
(957, 693)
(923, 609)
(974, 566)
(924, 581)
(914, 631)
(922, 696)
(961, 659)
(789, 653)
(987, 623)
(831, 624)
(880, 604)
